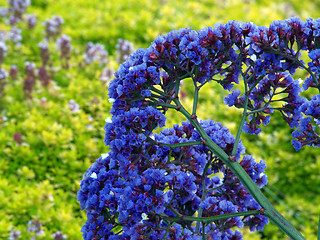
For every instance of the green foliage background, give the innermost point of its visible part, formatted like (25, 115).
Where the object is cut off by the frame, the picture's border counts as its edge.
(40, 178)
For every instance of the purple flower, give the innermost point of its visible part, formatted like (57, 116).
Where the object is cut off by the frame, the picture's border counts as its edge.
(65, 47)
(18, 7)
(15, 234)
(59, 236)
(34, 226)
(73, 106)
(44, 52)
(32, 21)
(95, 53)
(53, 27)
(106, 75)
(124, 49)
(14, 35)
(13, 71)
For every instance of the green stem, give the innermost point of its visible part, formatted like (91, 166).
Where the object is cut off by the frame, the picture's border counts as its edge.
(165, 105)
(156, 96)
(157, 91)
(245, 179)
(195, 100)
(168, 161)
(203, 231)
(244, 116)
(175, 145)
(167, 231)
(245, 108)
(257, 110)
(211, 219)
(176, 90)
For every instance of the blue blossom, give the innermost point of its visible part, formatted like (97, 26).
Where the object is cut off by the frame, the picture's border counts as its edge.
(314, 55)
(306, 134)
(208, 202)
(296, 144)
(314, 26)
(191, 49)
(231, 99)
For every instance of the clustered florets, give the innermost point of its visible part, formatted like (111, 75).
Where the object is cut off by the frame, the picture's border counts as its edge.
(95, 53)
(16, 10)
(124, 49)
(146, 180)
(53, 27)
(129, 184)
(306, 133)
(65, 48)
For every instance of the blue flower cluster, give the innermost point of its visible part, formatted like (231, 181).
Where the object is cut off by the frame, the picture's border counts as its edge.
(264, 98)
(148, 180)
(306, 133)
(135, 189)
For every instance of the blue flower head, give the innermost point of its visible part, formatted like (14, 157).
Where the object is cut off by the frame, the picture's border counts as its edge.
(147, 177)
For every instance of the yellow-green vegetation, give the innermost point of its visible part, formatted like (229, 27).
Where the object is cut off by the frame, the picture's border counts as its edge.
(46, 145)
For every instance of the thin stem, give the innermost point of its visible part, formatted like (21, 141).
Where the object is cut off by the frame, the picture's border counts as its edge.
(175, 145)
(181, 68)
(245, 108)
(212, 230)
(181, 217)
(156, 96)
(255, 84)
(177, 86)
(168, 161)
(244, 115)
(195, 100)
(157, 91)
(203, 231)
(216, 188)
(211, 77)
(167, 105)
(167, 231)
(257, 110)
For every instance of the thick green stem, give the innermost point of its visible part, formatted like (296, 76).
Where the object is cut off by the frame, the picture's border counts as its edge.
(245, 179)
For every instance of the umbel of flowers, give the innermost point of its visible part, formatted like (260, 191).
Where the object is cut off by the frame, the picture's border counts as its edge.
(193, 181)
